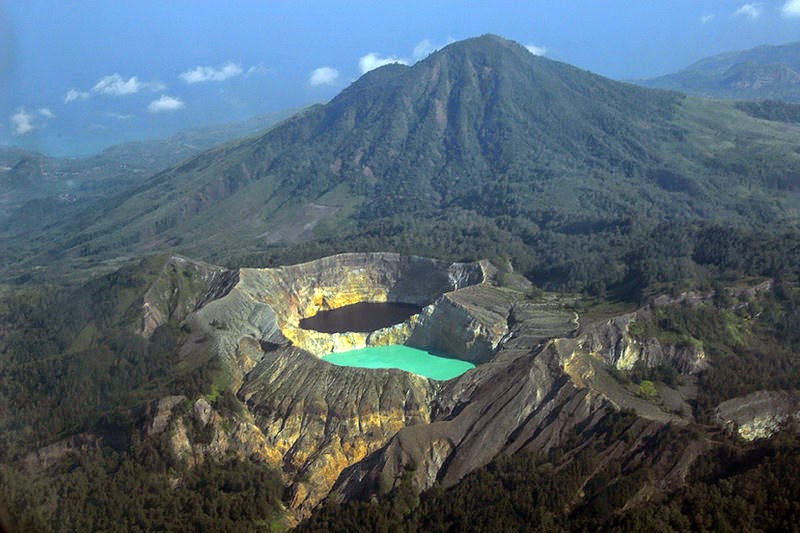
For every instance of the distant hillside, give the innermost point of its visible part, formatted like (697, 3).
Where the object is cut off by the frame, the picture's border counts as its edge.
(762, 73)
(165, 152)
(54, 183)
(481, 150)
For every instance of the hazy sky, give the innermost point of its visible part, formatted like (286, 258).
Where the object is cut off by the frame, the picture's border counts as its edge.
(78, 76)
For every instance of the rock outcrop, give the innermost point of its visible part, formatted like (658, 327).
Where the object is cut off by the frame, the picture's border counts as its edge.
(75, 445)
(613, 341)
(319, 418)
(469, 323)
(196, 430)
(759, 415)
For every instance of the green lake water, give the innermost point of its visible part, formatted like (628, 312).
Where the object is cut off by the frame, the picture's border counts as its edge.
(402, 357)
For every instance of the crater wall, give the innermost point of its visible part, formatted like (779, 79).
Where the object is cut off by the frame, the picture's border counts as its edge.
(314, 419)
(298, 291)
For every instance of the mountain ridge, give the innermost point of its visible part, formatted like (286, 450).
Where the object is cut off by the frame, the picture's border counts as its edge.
(524, 148)
(767, 72)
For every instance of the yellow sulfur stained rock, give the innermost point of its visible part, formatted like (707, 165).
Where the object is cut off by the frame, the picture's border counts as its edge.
(630, 354)
(309, 419)
(579, 368)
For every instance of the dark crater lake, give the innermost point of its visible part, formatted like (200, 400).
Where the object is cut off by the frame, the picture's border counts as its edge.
(361, 317)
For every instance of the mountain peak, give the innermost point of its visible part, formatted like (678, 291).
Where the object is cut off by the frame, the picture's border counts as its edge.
(482, 126)
(487, 39)
(492, 45)
(440, 134)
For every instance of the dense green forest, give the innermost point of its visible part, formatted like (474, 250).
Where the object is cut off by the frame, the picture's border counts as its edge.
(628, 261)
(141, 489)
(735, 488)
(72, 360)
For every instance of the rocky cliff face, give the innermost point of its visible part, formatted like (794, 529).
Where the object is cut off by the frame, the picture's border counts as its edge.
(345, 433)
(319, 418)
(275, 300)
(469, 323)
(613, 341)
(307, 417)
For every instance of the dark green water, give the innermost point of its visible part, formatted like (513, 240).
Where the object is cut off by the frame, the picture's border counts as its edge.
(361, 317)
(402, 357)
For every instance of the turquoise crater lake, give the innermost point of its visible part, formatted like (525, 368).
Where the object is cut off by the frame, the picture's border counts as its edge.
(403, 357)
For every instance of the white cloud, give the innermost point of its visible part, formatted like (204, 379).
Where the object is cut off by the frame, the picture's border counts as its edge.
(116, 85)
(791, 9)
(536, 50)
(165, 103)
(22, 122)
(372, 61)
(323, 76)
(203, 74)
(423, 49)
(705, 19)
(113, 85)
(752, 11)
(75, 94)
